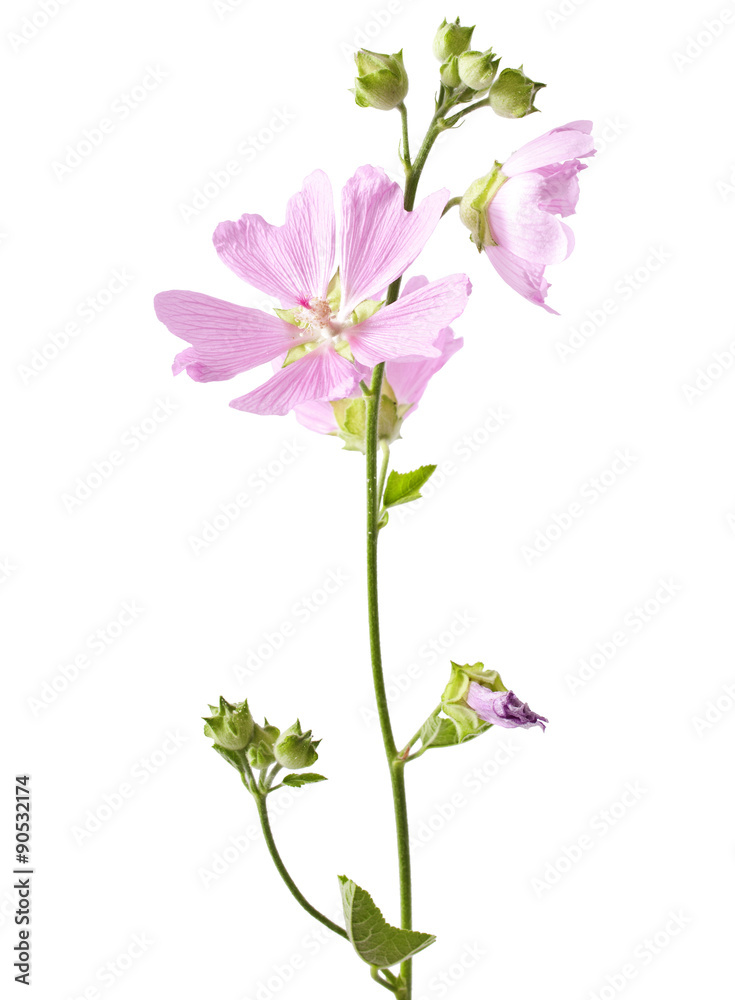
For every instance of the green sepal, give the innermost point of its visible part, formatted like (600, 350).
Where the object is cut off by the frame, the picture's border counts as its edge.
(474, 205)
(334, 292)
(289, 315)
(296, 353)
(403, 487)
(365, 309)
(373, 938)
(297, 780)
(235, 757)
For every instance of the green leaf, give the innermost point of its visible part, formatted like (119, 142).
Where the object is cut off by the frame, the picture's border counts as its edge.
(297, 780)
(374, 940)
(402, 487)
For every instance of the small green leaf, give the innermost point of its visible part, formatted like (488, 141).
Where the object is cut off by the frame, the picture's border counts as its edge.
(297, 780)
(365, 309)
(375, 941)
(402, 487)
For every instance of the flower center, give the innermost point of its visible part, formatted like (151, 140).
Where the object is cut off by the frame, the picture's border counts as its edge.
(318, 318)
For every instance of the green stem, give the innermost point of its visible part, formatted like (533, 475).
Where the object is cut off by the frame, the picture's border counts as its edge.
(383, 470)
(406, 150)
(283, 871)
(452, 203)
(374, 497)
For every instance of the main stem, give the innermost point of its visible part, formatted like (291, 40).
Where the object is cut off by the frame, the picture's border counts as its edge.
(374, 497)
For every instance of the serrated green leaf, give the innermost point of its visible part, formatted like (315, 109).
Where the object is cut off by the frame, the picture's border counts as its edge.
(297, 780)
(402, 487)
(376, 941)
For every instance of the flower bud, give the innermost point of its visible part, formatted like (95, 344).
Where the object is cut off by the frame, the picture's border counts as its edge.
(477, 69)
(473, 209)
(512, 94)
(294, 749)
(260, 751)
(381, 82)
(451, 40)
(449, 73)
(230, 726)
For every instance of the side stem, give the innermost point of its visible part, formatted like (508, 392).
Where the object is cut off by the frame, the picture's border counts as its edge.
(260, 800)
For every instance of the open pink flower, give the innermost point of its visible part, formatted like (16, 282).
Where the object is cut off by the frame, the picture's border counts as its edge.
(516, 208)
(407, 377)
(294, 262)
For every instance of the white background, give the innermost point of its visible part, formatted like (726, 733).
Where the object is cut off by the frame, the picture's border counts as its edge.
(520, 908)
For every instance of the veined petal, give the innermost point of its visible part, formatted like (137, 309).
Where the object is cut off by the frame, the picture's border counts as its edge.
(410, 326)
(227, 339)
(525, 278)
(409, 377)
(380, 239)
(320, 374)
(316, 416)
(293, 261)
(566, 142)
(519, 224)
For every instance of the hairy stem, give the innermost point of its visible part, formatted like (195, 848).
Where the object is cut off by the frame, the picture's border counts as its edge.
(283, 871)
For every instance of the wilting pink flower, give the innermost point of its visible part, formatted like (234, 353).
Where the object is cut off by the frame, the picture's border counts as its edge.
(517, 225)
(407, 377)
(294, 262)
(502, 708)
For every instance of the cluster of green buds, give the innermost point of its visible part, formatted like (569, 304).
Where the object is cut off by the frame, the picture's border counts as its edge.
(250, 747)
(468, 74)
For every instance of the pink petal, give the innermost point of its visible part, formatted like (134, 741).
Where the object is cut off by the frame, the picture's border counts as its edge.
(320, 374)
(409, 377)
(227, 339)
(525, 278)
(564, 143)
(379, 238)
(561, 187)
(411, 325)
(519, 224)
(316, 416)
(293, 261)
(183, 359)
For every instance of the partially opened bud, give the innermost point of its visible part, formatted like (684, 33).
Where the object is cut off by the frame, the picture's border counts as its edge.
(512, 94)
(477, 69)
(230, 726)
(476, 698)
(294, 749)
(451, 40)
(382, 81)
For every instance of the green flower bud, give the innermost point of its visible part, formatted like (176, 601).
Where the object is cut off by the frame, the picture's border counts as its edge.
(449, 73)
(451, 40)
(512, 94)
(294, 749)
(477, 69)
(260, 752)
(381, 82)
(230, 726)
(473, 207)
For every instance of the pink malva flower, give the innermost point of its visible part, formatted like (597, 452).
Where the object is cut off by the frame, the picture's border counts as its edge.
(513, 211)
(294, 262)
(407, 377)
